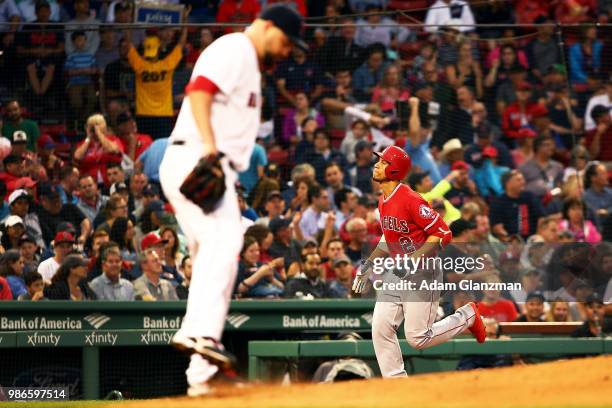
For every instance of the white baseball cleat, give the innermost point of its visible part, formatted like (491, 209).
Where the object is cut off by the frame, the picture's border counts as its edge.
(199, 390)
(208, 348)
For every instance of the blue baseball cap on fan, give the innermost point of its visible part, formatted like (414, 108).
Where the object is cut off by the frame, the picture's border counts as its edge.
(288, 21)
(155, 206)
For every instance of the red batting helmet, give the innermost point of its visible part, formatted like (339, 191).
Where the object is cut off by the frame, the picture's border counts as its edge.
(399, 162)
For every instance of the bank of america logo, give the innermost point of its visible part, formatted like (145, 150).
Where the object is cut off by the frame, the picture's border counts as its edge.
(97, 320)
(367, 317)
(237, 319)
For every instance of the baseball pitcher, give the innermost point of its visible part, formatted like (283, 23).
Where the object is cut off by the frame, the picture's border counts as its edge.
(213, 138)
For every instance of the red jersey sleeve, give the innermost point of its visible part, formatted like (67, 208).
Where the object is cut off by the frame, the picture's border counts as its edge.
(429, 220)
(422, 214)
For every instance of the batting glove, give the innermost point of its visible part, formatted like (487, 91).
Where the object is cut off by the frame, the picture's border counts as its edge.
(363, 275)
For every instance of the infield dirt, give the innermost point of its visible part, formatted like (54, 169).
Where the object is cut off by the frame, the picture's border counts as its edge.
(585, 382)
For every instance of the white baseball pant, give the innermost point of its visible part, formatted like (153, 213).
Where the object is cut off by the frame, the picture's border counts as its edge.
(419, 329)
(214, 241)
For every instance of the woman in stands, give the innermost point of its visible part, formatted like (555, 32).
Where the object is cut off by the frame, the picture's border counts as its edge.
(585, 56)
(174, 256)
(389, 90)
(300, 201)
(122, 232)
(501, 67)
(70, 281)
(574, 220)
(466, 71)
(254, 278)
(115, 208)
(305, 145)
(559, 311)
(11, 268)
(292, 131)
(264, 238)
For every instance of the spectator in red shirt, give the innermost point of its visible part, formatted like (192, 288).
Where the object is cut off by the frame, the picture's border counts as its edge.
(519, 114)
(135, 143)
(237, 11)
(333, 250)
(494, 306)
(298, 5)
(5, 290)
(98, 149)
(601, 133)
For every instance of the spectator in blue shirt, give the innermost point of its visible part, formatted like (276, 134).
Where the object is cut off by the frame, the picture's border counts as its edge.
(68, 184)
(299, 75)
(418, 145)
(80, 67)
(597, 195)
(585, 56)
(259, 160)
(151, 158)
(9, 13)
(110, 285)
(370, 73)
(343, 271)
(488, 175)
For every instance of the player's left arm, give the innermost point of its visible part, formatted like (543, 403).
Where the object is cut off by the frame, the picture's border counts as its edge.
(438, 233)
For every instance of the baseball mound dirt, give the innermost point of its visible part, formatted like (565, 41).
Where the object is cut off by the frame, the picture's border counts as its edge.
(570, 383)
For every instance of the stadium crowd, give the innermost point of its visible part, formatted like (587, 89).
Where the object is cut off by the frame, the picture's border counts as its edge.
(507, 129)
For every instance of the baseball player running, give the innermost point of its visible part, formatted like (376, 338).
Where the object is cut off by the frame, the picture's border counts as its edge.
(410, 226)
(213, 138)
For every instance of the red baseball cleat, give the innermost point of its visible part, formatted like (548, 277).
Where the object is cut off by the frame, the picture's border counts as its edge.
(478, 328)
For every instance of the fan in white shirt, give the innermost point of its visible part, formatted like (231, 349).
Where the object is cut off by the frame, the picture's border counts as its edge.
(63, 244)
(604, 99)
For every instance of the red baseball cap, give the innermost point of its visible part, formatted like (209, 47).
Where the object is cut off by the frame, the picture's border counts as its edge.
(460, 165)
(525, 133)
(489, 151)
(45, 141)
(539, 111)
(524, 86)
(63, 236)
(25, 182)
(151, 239)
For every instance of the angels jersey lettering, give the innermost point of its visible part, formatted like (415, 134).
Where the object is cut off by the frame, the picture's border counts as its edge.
(407, 220)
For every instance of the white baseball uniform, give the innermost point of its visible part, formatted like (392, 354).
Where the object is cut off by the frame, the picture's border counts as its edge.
(214, 239)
